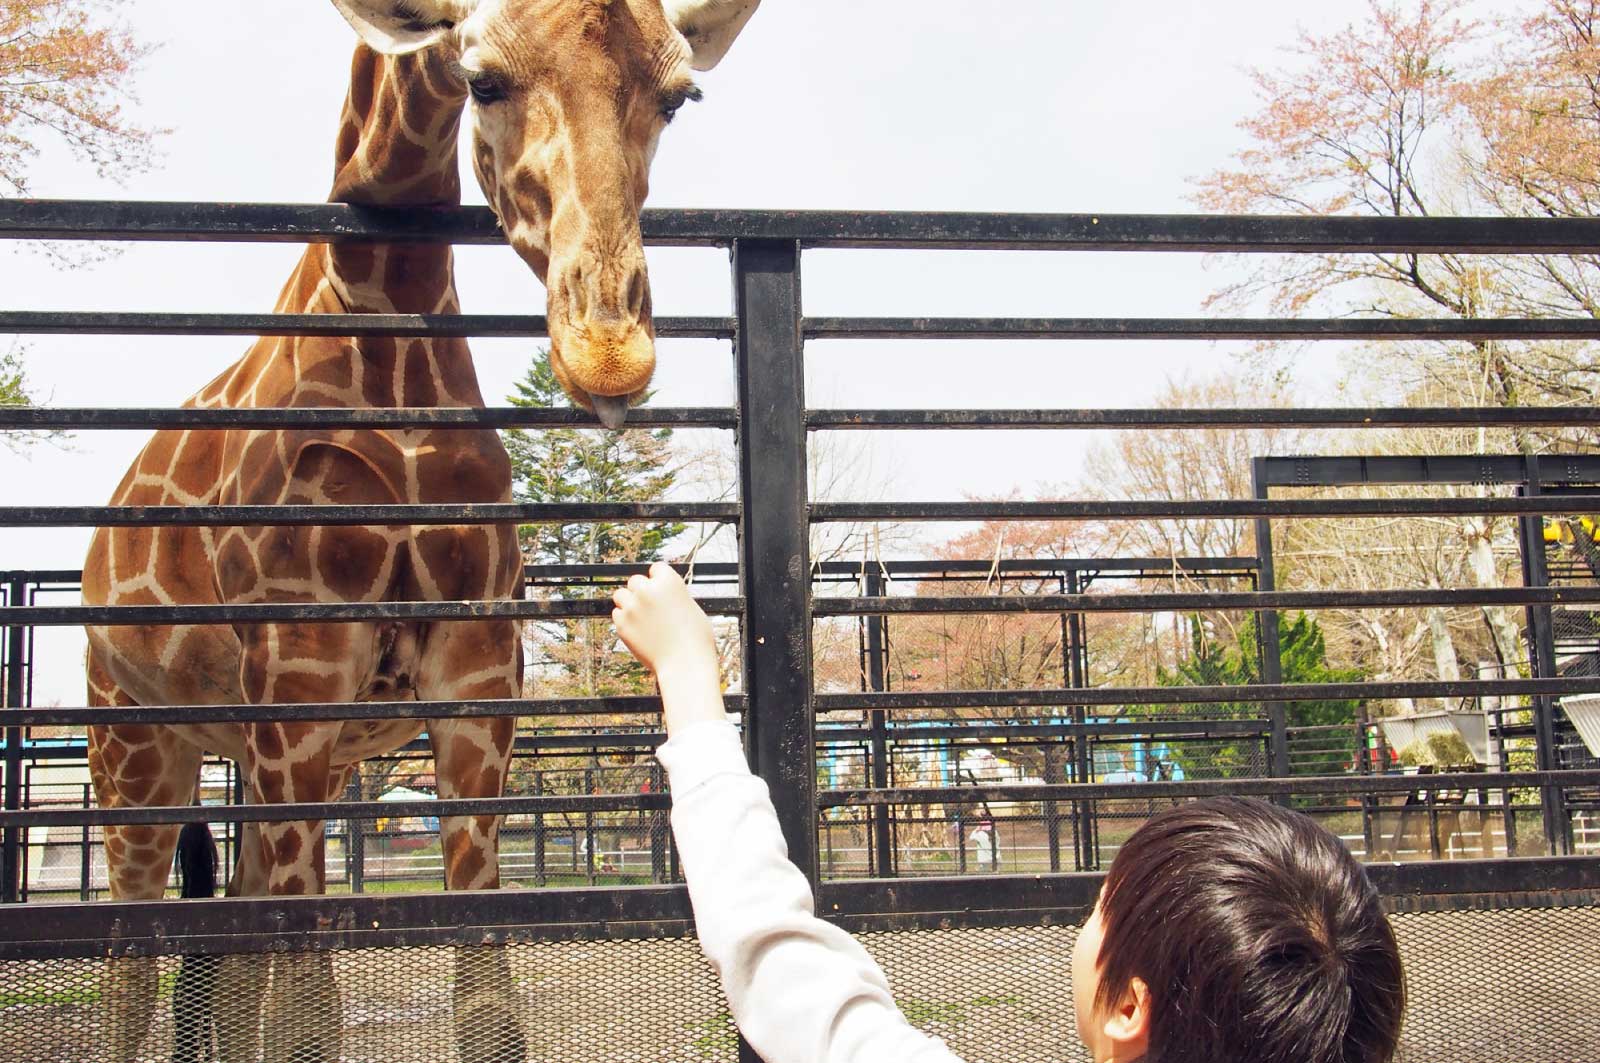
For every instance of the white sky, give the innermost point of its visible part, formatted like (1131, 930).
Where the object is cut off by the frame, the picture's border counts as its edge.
(1037, 105)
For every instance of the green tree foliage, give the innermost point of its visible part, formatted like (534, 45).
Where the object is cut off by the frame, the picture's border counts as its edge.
(585, 465)
(570, 465)
(1220, 662)
(15, 391)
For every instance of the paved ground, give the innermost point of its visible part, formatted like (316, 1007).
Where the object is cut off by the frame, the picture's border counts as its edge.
(1486, 987)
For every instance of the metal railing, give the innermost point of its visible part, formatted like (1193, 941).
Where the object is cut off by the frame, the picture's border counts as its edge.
(775, 602)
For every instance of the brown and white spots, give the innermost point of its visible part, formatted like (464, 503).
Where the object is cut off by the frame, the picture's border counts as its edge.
(570, 97)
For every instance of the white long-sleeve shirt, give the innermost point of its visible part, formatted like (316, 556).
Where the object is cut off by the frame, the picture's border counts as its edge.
(801, 990)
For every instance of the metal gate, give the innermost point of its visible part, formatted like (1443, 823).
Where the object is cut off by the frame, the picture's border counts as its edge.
(1494, 947)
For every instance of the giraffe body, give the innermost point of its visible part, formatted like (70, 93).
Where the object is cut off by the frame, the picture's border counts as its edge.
(569, 97)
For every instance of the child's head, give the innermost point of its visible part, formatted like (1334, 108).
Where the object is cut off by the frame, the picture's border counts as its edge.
(1231, 930)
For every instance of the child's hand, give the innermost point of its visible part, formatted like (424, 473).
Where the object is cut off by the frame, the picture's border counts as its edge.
(667, 630)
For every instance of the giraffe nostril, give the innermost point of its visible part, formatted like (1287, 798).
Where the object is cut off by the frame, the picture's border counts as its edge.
(577, 293)
(638, 287)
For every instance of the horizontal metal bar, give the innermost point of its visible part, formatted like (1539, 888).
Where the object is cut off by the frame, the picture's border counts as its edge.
(72, 716)
(233, 925)
(311, 811)
(1350, 470)
(296, 223)
(228, 925)
(1310, 784)
(980, 728)
(1181, 328)
(98, 323)
(71, 219)
(535, 742)
(1155, 509)
(1108, 567)
(331, 516)
(867, 905)
(1163, 602)
(322, 612)
(329, 612)
(840, 798)
(1241, 418)
(30, 418)
(1062, 698)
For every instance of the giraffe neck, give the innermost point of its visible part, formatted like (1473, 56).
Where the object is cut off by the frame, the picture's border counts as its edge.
(396, 148)
(397, 140)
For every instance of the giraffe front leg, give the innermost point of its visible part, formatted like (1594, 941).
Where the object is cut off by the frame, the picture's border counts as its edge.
(134, 767)
(242, 979)
(292, 763)
(287, 763)
(472, 757)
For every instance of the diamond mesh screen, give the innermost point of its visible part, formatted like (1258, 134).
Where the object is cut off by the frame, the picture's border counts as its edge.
(1502, 986)
(628, 1001)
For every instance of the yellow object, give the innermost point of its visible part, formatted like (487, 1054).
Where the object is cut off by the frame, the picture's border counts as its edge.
(1567, 530)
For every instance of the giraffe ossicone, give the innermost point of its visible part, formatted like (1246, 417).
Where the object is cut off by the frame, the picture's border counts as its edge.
(565, 100)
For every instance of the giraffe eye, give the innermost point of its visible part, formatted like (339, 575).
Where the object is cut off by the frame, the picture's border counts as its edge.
(487, 89)
(671, 104)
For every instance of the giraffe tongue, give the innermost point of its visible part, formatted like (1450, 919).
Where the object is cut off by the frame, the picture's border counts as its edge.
(612, 410)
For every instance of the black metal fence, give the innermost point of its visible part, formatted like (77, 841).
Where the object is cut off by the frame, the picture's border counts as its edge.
(777, 608)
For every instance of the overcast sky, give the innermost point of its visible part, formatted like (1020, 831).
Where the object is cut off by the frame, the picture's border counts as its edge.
(1036, 105)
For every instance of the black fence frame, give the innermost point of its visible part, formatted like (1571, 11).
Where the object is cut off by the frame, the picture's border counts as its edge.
(769, 331)
(870, 577)
(1531, 476)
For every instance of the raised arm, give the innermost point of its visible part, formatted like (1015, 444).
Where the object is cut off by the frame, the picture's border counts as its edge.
(801, 990)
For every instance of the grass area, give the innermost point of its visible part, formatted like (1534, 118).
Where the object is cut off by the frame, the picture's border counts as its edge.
(925, 1013)
(81, 994)
(717, 1035)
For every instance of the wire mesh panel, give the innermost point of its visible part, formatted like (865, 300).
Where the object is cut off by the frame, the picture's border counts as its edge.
(627, 1001)
(1493, 986)
(1518, 985)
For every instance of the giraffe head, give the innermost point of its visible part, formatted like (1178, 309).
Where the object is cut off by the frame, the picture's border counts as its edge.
(567, 101)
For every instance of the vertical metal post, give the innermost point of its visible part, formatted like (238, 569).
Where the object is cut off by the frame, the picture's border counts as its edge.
(658, 827)
(588, 826)
(1050, 754)
(355, 839)
(86, 866)
(538, 832)
(774, 533)
(1271, 648)
(1052, 815)
(1542, 656)
(1369, 837)
(877, 680)
(11, 844)
(1508, 811)
(773, 541)
(1084, 857)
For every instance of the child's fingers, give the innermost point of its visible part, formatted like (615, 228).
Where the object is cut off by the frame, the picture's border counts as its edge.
(622, 598)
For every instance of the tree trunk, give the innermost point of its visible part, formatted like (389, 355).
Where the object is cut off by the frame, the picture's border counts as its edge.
(1480, 560)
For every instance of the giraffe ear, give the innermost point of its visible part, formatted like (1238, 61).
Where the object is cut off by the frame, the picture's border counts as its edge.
(398, 27)
(710, 25)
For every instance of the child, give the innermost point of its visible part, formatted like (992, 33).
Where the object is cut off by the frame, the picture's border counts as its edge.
(1227, 930)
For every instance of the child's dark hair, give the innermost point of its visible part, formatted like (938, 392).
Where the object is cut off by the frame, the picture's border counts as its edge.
(1259, 936)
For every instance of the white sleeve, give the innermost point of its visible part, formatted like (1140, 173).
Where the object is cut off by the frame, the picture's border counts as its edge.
(801, 990)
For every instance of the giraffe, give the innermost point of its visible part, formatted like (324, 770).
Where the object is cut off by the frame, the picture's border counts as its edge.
(565, 101)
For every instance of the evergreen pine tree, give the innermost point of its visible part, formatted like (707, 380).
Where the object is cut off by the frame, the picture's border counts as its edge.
(586, 465)
(1304, 655)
